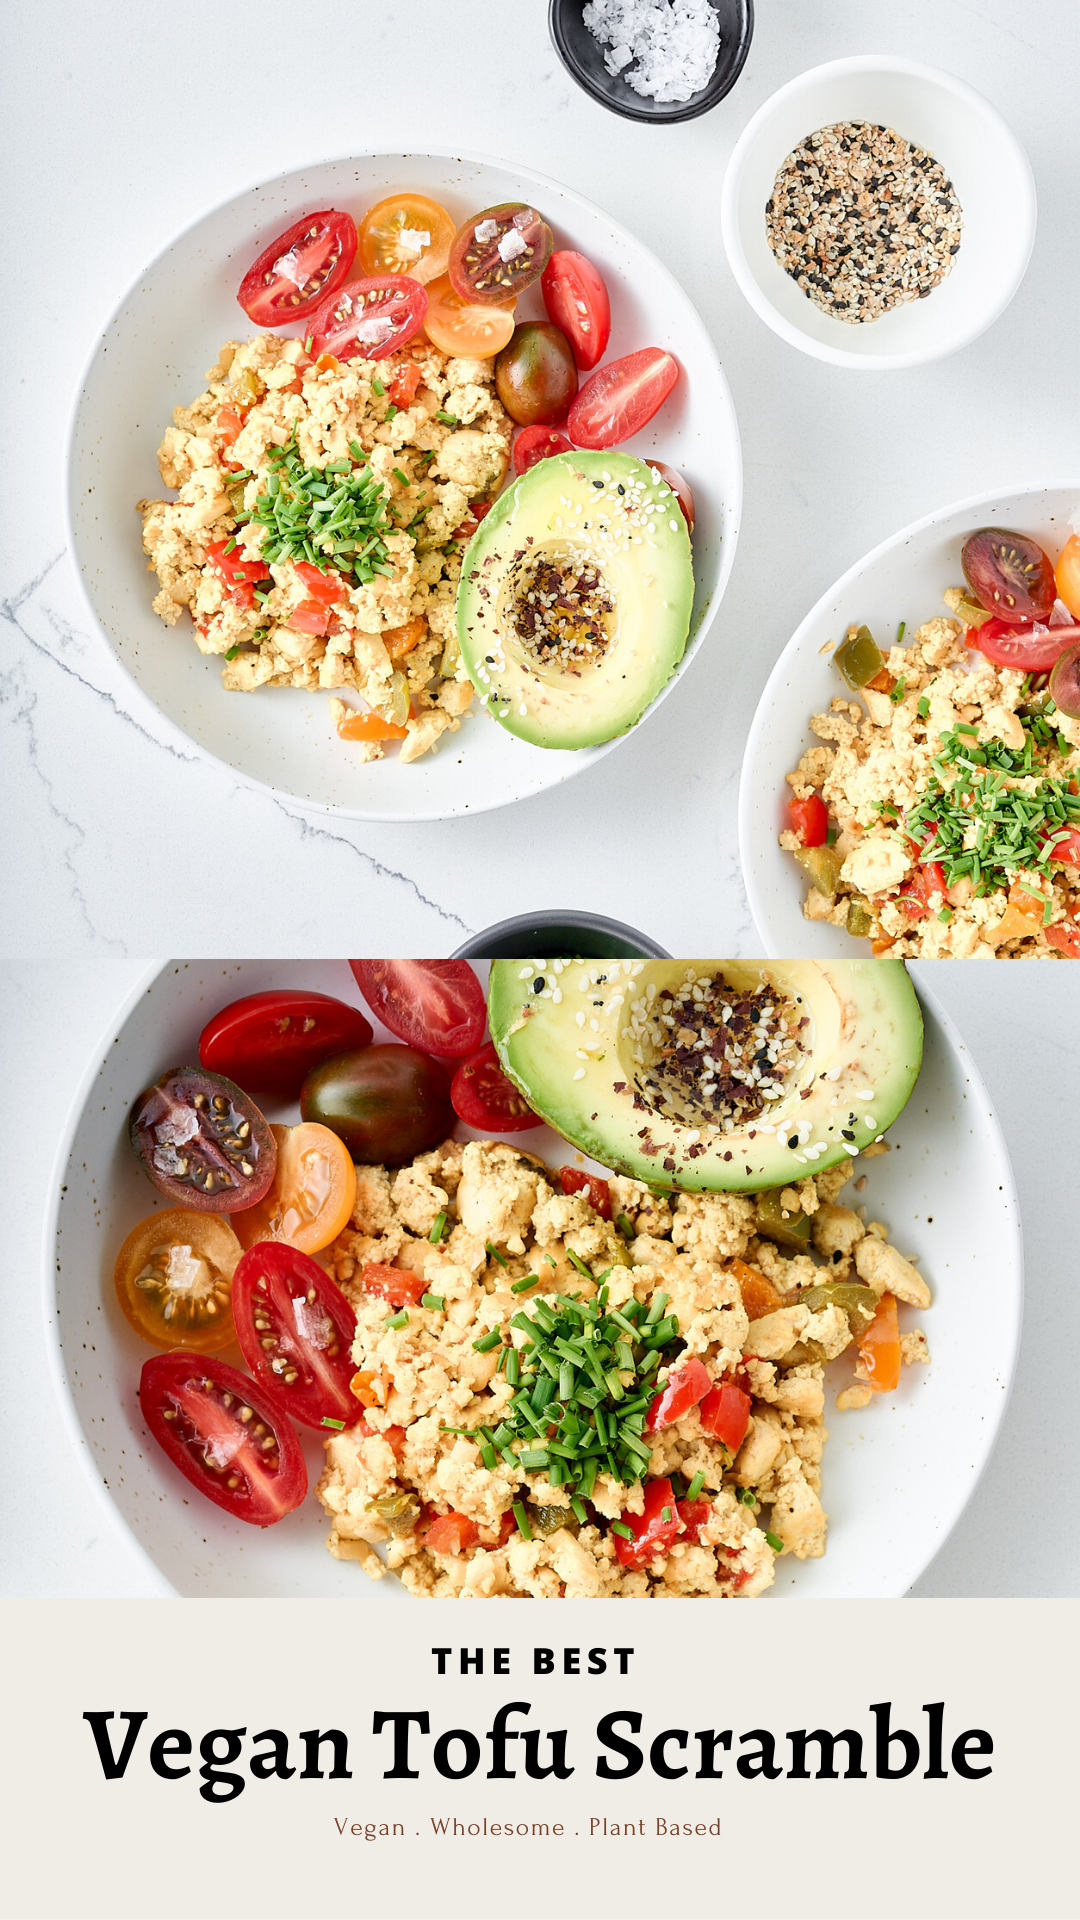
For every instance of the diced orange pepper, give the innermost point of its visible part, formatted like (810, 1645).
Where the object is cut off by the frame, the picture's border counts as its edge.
(326, 363)
(878, 947)
(759, 1296)
(401, 641)
(369, 726)
(882, 681)
(879, 1348)
(371, 1387)
(1025, 902)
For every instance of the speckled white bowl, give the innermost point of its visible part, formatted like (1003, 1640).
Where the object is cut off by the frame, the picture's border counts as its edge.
(153, 354)
(983, 159)
(897, 1476)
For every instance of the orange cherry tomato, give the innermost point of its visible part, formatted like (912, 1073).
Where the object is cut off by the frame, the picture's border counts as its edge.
(313, 1193)
(464, 327)
(406, 233)
(879, 1347)
(367, 725)
(174, 1279)
(1067, 575)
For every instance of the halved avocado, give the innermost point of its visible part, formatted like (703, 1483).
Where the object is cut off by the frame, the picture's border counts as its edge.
(575, 596)
(578, 1064)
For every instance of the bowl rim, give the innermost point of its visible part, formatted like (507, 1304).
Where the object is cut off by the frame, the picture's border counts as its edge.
(662, 114)
(144, 708)
(556, 917)
(1012, 1248)
(768, 700)
(935, 77)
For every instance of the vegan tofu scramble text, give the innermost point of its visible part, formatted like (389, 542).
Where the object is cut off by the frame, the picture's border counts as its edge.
(953, 807)
(500, 1250)
(317, 533)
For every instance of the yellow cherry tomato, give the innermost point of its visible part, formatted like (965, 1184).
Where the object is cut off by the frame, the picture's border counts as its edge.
(313, 1193)
(406, 234)
(174, 1279)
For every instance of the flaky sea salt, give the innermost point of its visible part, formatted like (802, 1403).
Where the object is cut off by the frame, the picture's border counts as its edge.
(674, 42)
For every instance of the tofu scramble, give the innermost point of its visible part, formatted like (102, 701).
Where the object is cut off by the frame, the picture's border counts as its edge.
(273, 423)
(494, 1243)
(951, 796)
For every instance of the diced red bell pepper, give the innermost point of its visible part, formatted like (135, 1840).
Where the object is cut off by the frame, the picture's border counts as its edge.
(403, 387)
(915, 894)
(681, 1391)
(1066, 938)
(1066, 846)
(326, 586)
(450, 1533)
(398, 1288)
(810, 820)
(693, 1514)
(239, 575)
(725, 1413)
(574, 1180)
(653, 1534)
(394, 1436)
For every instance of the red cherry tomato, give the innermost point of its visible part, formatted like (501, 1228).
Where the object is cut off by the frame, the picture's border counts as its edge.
(810, 820)
(1010, 644)
(619, 399)
(653, 1535)
(681, 1391)
(296, 1330)
(437, 1005)
(538, 443)
(194, 1406)
(367, 319)
(577, 300)
(202, 1142)
(269, 1042)
(679, 487)
(450, 1533)
(483, 1097)
(298, 269)
(1066, 938)
(1009, 574)
(725, 1413)
(574, 1180)
(392, 1284)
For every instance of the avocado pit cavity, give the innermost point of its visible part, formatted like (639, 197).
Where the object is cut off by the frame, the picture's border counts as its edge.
(711, 1055)
(561, 609)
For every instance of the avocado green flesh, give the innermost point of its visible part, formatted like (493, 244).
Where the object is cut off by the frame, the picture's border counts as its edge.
(863, 1050)
(570, 510)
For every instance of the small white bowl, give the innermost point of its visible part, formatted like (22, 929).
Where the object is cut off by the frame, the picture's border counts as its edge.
(983, 159)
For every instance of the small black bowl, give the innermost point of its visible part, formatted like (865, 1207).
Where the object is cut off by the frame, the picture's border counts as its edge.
(583, 58)
(560, 935)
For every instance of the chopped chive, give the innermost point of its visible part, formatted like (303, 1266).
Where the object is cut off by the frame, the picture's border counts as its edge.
(488, 1456)
(522, 1520)
(487, 1341)
(549, 1260)
(389, 414)
(378, 388)
(494, 1254)
(772, 1541)
(448, 419)
(578, 1263)
(665, 1515)
(513, 1366)
(533, 1458)
(695, 1486)
(438, 1228)
(397, 1319)
(433, 1300)
(897, 693)
(398, 475)
(327, 1422)
(624, 1532)
(578, 1509)
(900, 631)
(232, 653)
(746, 1496)
(923, 707)
(626, 1226)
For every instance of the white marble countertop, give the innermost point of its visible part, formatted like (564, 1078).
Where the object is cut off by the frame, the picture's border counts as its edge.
(120, 132)
(1018, 1534)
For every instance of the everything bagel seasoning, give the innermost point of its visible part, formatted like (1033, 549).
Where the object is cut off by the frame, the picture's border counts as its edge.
(863, 220)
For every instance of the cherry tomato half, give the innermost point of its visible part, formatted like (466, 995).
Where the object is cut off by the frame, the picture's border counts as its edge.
(406, 233)
(484, 1098)
(1065, 681)
(499, 253)
(535, 375)
(576, 1180)
(269, 1042)
(465, 327)
(229, 1436)
(653, 1535)
(387, 1103)
(367, 319)
(296, 1330)
(174, 1279)
(577, 300)
(1009, 644)
(537, 443)
(618, 400)
(298, 269)
(436, 1005)
(1009, 574)
(679, 487)
(313, 1194)
(1067, 575)
(810, 820)
(682, 1390)
(202, 1142)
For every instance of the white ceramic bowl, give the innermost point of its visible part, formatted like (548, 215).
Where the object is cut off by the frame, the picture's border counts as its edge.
(896, 1477)
(984, 160)
(902, 579)
(153, 354)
